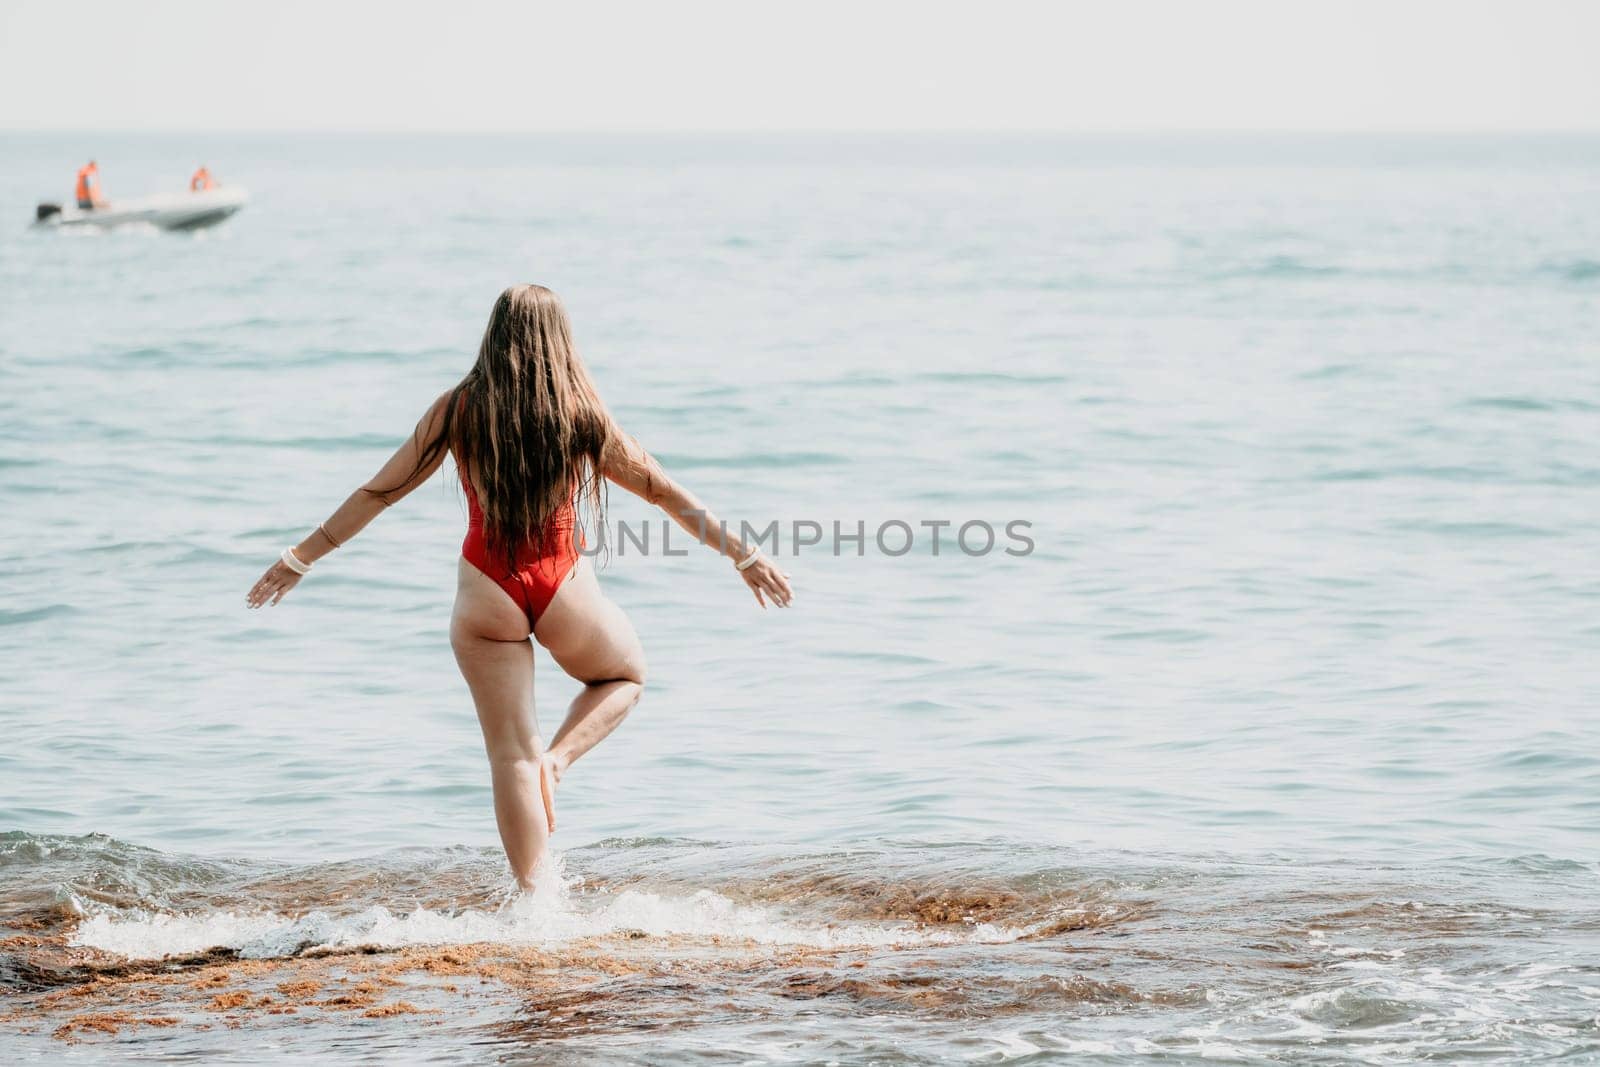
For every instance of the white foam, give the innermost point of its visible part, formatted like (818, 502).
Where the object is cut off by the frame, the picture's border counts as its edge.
(147, 935)
(553, 913)
(132, 227)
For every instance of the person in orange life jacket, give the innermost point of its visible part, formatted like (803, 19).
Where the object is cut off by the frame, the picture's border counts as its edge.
(201, 181)
(88, 190)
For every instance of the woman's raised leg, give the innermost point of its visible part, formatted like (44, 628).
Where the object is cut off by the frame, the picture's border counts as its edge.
(591, 639)
(489, 633)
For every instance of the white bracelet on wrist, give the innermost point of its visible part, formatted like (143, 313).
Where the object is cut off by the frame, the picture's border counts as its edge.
(292, 561)
(749, 561)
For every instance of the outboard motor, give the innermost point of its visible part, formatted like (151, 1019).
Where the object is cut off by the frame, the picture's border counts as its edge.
(45, 212)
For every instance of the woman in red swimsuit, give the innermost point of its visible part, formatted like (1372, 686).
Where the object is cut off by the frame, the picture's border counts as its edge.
(532, 441)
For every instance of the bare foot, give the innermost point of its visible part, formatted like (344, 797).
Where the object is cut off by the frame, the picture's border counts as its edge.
(549, 775)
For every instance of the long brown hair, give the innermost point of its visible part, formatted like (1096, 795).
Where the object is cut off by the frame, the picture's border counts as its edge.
(527, 425)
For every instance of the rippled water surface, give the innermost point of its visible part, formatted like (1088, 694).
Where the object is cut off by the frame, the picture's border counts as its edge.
(1280, 746)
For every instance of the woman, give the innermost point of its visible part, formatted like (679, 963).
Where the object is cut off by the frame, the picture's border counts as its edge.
(532, 441)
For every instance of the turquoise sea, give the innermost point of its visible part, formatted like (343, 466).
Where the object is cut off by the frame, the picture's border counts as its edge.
(1280, 746)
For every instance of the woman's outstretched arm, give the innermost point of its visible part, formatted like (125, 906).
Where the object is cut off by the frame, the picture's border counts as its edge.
(404, 471)
(630, 466)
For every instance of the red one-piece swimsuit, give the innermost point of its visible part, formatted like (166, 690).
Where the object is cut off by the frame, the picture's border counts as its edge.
(534, 581)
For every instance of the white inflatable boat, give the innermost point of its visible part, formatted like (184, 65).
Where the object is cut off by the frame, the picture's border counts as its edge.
(169, 211)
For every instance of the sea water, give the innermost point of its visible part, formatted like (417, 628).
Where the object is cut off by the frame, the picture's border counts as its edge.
(1280, 744)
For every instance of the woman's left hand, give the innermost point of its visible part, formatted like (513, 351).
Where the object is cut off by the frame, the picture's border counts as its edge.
(273, 585)
(763, 576)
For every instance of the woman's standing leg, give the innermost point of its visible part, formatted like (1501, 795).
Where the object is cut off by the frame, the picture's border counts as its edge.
(489, 633)
(591, 639)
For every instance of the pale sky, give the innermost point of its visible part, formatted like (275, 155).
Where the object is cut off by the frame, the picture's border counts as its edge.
(477, 65)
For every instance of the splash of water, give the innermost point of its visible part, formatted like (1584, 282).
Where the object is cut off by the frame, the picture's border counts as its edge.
(554, 912)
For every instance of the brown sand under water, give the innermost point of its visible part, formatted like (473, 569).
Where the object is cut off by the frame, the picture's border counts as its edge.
(617, 983)
(1050, 956)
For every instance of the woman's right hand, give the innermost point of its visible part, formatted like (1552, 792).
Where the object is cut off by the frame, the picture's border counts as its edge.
(766, 580)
